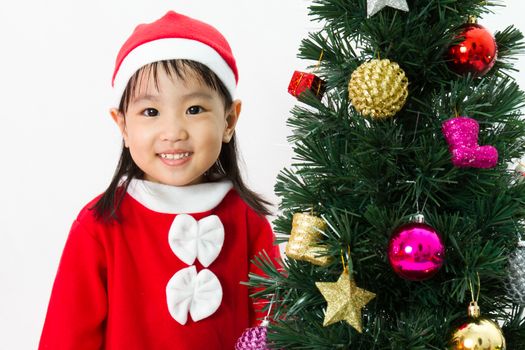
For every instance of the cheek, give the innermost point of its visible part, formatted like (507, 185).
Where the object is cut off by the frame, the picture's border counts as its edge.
(139, 137)
(209, 132)
(212, 141)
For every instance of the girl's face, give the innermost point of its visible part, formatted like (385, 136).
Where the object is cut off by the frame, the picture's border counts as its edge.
(175, 130)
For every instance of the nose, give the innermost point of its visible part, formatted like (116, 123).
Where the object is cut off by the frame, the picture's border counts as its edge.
(173, 129)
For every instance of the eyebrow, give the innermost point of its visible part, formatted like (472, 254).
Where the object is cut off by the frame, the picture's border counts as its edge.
(197, 94)
(155, 98)
(146, 97)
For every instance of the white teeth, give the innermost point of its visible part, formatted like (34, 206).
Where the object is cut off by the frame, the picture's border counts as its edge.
(174, 156)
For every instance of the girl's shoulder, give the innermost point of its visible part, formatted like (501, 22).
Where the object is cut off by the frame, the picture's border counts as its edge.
(87, 215)
(241, 206)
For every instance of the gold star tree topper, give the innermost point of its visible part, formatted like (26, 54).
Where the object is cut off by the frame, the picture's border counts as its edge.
(374, 6)
(345, 300)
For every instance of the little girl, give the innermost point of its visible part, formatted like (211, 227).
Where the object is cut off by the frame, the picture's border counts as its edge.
(156, 261)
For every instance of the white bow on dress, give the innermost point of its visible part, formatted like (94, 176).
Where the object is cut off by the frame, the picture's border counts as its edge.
(190, 239)
(200, 294)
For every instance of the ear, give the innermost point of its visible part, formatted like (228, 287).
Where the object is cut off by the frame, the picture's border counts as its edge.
(120, 120)
(231, 120)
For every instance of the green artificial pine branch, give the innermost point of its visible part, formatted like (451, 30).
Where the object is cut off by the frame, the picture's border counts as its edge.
(367, 177)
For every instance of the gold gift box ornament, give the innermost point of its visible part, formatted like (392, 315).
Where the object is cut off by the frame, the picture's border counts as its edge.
(304, 238)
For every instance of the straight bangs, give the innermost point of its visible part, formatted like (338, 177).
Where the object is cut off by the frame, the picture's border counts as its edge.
(179, 69)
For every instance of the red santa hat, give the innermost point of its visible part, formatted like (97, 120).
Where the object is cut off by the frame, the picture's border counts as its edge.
(175, 36)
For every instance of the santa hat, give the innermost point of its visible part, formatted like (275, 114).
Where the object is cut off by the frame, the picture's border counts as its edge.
(174, 36)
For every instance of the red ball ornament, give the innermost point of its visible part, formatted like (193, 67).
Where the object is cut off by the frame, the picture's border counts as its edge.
(477, 52)
(416, 251)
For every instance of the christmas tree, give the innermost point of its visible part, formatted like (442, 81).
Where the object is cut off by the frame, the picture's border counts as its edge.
(419, 115)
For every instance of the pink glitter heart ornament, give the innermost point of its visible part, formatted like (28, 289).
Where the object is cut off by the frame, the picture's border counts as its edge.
(461, 134)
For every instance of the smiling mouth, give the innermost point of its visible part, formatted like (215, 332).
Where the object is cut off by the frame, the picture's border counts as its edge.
(173, 156)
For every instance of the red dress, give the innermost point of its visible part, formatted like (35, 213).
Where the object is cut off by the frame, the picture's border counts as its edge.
(139, 283)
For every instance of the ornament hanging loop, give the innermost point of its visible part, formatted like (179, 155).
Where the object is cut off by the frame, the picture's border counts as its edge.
(348, 267)
(319, 61)
(473, 308)
(345, 268)
(319, 86)
(418, 217)
(472, 289)
(266, 320)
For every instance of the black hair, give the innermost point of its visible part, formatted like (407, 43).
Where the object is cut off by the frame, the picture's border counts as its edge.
(225, 168)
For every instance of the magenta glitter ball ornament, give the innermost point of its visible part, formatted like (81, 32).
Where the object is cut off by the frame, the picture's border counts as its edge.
(253, 338)
(416, 251)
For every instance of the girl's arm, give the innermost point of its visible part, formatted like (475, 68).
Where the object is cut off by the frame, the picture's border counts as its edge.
(78, 305)
(261, 239)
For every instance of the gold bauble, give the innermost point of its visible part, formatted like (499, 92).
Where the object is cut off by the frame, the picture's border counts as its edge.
(378, 89)
(304, 239)
(477, 333)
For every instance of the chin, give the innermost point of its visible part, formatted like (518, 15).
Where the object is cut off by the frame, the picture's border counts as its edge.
(177, 182)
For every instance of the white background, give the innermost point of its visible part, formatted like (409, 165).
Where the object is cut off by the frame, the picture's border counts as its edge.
(59, 147)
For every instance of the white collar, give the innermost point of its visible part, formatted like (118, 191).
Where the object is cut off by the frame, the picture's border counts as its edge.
(179, 199)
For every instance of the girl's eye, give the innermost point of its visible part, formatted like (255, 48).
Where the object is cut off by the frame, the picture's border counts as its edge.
(150, 112)
(194, 110)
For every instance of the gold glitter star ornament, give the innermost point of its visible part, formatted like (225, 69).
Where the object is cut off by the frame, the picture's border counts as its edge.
(374, 6)
(345, 301)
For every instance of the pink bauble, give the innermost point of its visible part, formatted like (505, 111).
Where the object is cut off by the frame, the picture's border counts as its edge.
(253, 339)
(416, 251)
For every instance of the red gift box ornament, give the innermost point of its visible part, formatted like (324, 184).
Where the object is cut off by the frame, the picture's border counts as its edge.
(302, 81)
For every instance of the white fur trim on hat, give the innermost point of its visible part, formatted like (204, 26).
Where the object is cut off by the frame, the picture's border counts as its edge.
(172, 48)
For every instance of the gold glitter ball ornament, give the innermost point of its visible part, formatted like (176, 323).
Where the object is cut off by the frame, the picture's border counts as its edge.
(378, 89)
(477, 333)
(304, 239)
(345, 301)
